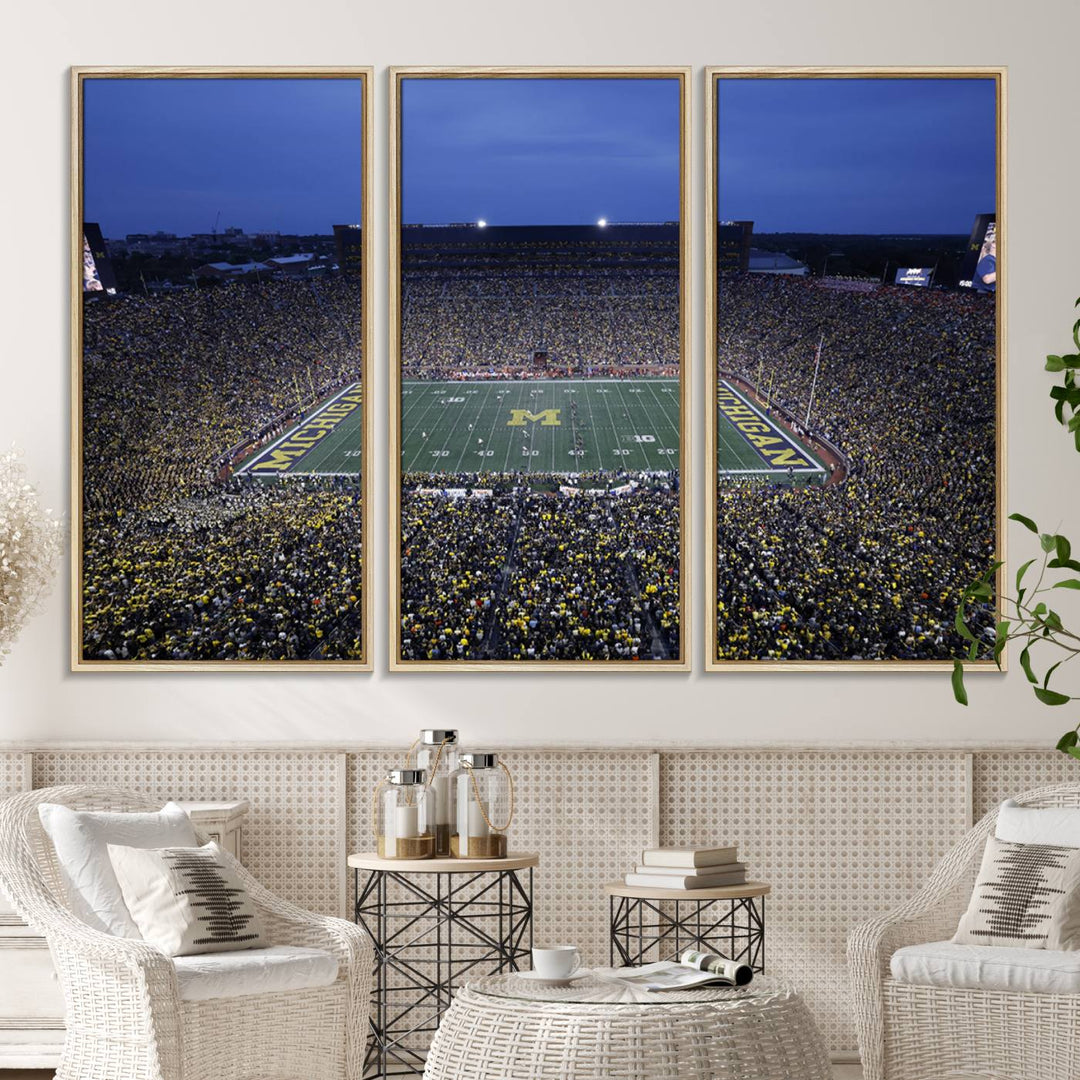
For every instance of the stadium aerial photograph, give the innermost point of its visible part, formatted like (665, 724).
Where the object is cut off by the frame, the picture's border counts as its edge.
(856, 418)
(539, 369)
(220, 411)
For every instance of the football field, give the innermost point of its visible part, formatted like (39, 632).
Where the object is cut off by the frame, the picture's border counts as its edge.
(751, 443)
(540, 425)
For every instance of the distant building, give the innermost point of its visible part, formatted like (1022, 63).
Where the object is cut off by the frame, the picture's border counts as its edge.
(733, 240)
(296, 265)
(223, 271)
(350, 248)
(776, 262)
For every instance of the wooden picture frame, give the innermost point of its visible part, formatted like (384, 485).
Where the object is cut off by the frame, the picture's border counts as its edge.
(398, 76)
(363, 249)
(713, 139)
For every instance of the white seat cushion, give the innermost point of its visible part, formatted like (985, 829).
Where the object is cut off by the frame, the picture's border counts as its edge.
(253, 971)
(988, 967)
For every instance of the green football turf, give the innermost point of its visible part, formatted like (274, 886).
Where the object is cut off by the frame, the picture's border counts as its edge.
(540, 425)
(777, 448)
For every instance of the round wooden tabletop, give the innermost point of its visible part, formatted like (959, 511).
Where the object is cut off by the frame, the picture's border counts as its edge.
(516, 860)
(721, 892)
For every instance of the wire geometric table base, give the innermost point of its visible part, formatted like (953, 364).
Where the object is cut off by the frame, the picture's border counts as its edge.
(659, 924)
(432, 924)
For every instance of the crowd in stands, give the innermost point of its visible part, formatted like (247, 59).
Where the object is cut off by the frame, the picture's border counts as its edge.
(606, 320)
(179, 562)
(524, 572)
(872, 568)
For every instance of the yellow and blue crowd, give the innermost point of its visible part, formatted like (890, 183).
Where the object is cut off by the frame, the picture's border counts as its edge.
(180, 562)
(872, 568)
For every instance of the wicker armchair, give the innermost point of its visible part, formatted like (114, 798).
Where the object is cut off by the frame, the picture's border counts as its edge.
(911, 1032)
(124, 1016)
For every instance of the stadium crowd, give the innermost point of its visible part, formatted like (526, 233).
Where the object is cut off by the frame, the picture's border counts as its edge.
(179, 562)
(603, 320)
(872, 568)
(511, 571)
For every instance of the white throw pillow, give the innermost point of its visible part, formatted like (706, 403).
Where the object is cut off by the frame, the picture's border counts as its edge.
(187, 900)
(1057, 825)
(1025, 896)
(81, 838)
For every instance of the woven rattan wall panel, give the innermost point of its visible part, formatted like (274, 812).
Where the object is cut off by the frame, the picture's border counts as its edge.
(999, 775)
(13, 773)
(290, 840)
(588, 815)
(839, 835)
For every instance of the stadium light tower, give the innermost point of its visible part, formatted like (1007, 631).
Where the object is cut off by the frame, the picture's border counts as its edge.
(481, 224)
(602, 222)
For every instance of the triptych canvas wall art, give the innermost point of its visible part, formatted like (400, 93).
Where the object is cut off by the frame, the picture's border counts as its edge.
(854, 344)
(539, 367)
(221, 339)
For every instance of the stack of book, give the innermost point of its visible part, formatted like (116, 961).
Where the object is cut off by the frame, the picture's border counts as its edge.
(688, 868)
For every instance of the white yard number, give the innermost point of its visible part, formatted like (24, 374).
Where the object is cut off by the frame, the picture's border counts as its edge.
(577, 453)
(530, 453)
(633, 391)
(352, 453)
(485, 453)
(666, 450)
(620, 453)
(440, 453)
(644, 438)
(452, 400)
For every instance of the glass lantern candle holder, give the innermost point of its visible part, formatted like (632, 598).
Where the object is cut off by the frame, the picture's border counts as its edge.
(484, 793)
(405, 810)
(437, 754)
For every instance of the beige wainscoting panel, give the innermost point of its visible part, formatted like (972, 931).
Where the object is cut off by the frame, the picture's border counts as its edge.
(291, 839)
(840, 835)
(588, 814)
(999, 775)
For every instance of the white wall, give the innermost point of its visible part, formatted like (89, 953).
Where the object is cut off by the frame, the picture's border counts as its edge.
(41, 700)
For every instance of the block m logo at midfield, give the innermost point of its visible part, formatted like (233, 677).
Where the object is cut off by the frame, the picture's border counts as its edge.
(547, 417)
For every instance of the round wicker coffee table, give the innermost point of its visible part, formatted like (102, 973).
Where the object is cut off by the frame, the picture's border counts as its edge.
(504, 1027)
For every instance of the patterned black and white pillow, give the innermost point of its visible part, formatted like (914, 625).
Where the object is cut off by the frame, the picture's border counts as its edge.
(186, 900)
(1026, 895)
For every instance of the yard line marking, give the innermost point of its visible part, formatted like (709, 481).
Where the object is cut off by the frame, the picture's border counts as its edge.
(432, 398)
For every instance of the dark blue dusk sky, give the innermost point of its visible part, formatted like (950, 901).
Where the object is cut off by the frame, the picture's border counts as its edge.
(539, 151)
(856, 155)
(270, 154)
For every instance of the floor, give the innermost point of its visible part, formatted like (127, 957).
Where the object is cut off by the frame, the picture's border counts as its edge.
(840, 1072)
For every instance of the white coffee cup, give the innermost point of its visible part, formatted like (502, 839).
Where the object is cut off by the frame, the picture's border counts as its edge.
(556, 961)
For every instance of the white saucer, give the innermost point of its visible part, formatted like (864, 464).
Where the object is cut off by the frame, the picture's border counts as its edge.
(536, 977)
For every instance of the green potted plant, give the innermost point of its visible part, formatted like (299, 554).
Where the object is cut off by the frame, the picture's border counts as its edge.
(1027, 615)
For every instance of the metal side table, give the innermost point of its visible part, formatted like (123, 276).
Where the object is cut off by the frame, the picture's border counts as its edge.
(658, 924)
(433, 922)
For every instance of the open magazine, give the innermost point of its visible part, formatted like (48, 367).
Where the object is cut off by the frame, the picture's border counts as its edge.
(692, 970)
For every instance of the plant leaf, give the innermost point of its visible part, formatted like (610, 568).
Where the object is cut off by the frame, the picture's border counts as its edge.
(1068, 583)
(1051, 697)
(1025, 521)
(1021, 572)
(958, 682)
(1070, 738)
(1025, 663)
